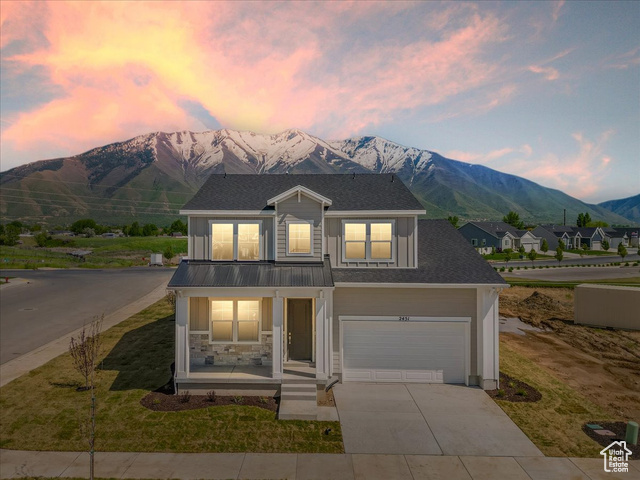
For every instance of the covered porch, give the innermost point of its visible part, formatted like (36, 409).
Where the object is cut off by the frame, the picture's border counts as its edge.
(254, 334)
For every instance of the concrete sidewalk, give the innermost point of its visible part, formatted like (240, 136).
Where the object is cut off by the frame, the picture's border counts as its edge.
(25, 363)
(15, 464)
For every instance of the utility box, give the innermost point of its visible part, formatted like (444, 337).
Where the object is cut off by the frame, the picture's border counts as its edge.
(156, 259)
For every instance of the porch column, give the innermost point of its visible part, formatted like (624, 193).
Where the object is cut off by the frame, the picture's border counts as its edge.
(182, 336)
(487, 331)
(278, 316)
(322, 344)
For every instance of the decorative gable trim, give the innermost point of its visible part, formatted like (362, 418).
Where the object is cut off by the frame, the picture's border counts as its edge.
(297, 190)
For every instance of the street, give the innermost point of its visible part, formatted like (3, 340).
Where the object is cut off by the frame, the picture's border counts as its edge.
(574, 274)
(56, 302)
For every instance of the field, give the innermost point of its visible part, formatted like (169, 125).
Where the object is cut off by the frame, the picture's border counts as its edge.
(603, 365)
(106, 252)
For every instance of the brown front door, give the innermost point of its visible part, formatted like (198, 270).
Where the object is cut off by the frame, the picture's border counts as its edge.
(300, 331)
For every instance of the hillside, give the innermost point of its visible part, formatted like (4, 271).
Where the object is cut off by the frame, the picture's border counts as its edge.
(627, 207)
(148, 178)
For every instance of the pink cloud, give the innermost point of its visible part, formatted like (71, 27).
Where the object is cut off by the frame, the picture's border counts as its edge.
(126, 66)
(549, 73)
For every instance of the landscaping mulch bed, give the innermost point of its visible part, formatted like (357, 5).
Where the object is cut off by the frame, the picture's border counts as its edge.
(161, 402)
(513, 390)
(619, 428)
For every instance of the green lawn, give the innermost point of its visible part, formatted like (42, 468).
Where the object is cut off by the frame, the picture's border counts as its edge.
(43, 411)
(554, 423)
(107, 252)
(514, 256)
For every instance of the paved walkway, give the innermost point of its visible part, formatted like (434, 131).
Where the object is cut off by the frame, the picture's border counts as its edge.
(15, 464)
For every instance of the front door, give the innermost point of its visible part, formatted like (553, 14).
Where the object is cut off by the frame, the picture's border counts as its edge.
(299, 327)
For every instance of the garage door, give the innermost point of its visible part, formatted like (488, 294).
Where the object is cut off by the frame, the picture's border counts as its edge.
(420, 349)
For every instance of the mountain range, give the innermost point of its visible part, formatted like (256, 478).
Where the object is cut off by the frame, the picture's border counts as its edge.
(627, 207)
(149, 177)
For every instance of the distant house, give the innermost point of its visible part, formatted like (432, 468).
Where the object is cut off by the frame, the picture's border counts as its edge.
(631, 233)
(499, 235)
(591, 236)
(554, 233)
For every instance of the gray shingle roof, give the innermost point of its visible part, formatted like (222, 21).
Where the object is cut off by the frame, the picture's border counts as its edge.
(259, 274)
(444, 256)
(497, 229)
(347, 192)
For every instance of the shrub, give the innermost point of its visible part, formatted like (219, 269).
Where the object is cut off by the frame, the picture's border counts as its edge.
(501, 392)
(502, 269)
(510, 269)
(185, 396)
(521, 392)
(211, 396)
(263, 400)
(237, 399)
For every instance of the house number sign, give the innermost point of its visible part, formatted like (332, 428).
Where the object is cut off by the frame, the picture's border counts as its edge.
(404, 319)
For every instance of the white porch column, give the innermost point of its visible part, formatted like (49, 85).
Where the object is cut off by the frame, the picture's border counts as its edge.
(278, 320)
(182, 336)
(488, 338)
(322, 344)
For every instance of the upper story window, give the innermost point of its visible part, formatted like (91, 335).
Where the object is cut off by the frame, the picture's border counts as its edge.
(299, 238)
(236, 240)
(367, 240)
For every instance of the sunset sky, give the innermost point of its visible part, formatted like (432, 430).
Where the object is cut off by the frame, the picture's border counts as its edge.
(546, 90)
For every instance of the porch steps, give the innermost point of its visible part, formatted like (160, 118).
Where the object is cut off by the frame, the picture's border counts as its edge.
(298, 400)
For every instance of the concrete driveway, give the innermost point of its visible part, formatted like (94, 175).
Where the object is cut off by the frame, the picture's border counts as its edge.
(426, 419)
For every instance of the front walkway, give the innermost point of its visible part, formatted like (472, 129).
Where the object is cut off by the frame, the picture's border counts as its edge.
(426, 419)
(20, 464)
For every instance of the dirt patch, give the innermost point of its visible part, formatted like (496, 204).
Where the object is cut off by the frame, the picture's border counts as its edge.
(329, 401)
(161, 402)
(513, 390)
(619, 428)
(603, 365)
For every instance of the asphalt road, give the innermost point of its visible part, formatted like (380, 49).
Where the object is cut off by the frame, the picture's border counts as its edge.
(574, 274)
(57, 302)
(586, 260)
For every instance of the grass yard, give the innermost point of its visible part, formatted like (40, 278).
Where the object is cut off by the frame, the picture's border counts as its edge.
(593, 253)
(42, 410)
(534, 283)
(554, 423)
(106, 252)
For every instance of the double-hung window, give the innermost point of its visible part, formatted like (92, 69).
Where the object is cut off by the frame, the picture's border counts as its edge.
(367, 240)
(235, 321)
(299, 241)
(236, 240)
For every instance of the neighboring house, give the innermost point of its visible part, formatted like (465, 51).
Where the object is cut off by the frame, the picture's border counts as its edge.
(333, 272)
(591, 236)
(555, 233)
(485, 235)
(631, 234)
(529, 240)
(615, 238)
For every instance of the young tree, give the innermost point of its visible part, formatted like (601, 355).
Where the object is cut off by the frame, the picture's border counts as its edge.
(41, 239)
(545, 246)
(85, 351)
(561, 244)
(521, 250)
(532, 255)
(605, 245)
(135, 230)
(622, 251)
(559, 254)
(453, 220)
(493, 250)
(168, 253)
(513, 219)
(583, 220)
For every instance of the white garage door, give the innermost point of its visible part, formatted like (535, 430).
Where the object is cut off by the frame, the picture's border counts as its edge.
(417, 350)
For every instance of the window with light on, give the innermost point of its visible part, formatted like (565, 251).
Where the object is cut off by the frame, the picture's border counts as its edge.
(299, 238)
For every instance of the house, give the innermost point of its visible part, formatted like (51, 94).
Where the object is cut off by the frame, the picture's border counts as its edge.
(333, 274)
(615, 238)
(554, 234)
(631, 234)
(499, 235)
(590, 236)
